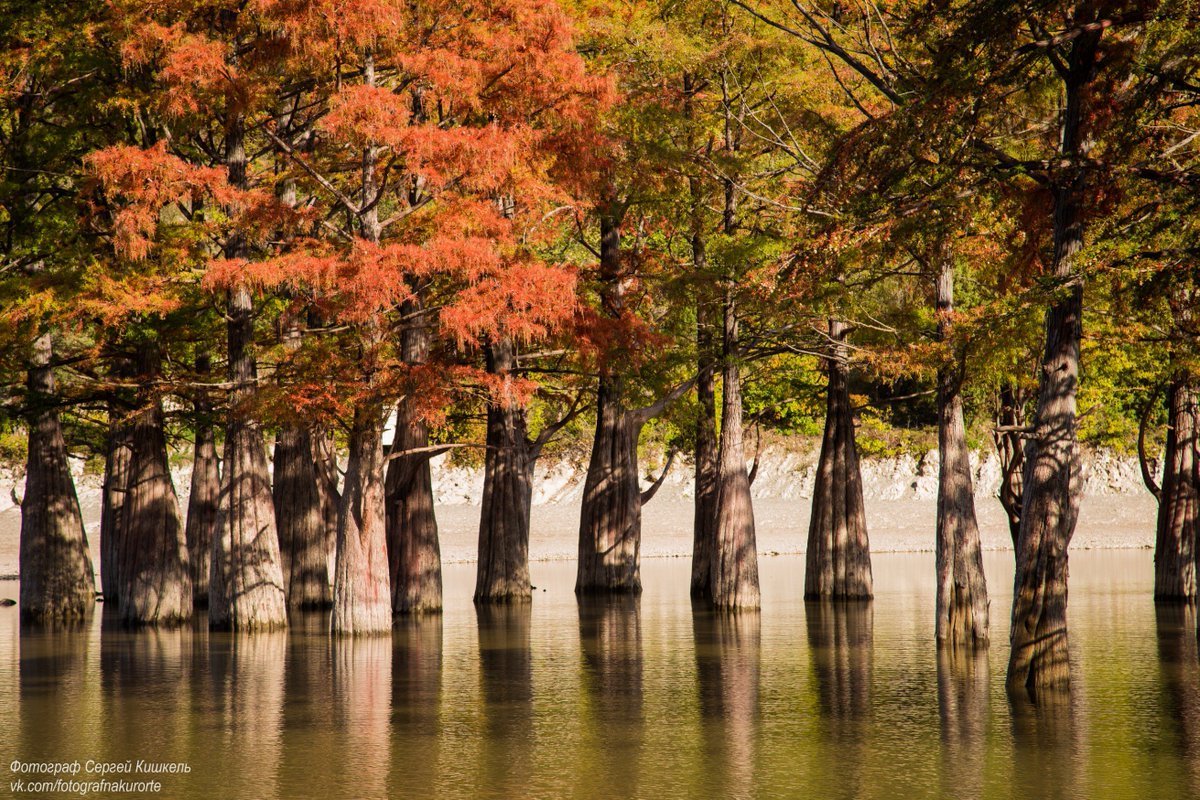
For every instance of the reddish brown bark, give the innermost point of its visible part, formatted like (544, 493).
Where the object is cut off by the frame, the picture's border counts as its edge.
(413, 548)
(246, 590)
(734, 582)
(112, 498)
(704, 531)
(838, 561)
(1038, 660)
(204, 500)
(155, 575)
(503, 567)
(1178, 522)
(1010, 446)
(362, 599)
(57, 582)
(962, 602)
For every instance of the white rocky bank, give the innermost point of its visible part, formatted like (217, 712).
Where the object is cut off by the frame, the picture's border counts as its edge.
(900, 499)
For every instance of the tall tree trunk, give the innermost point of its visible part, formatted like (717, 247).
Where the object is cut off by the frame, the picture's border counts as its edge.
(156, 578)
(735, 557)
(503, 566)
(1010, 446)
(362, 602)
(1178, 499)
(413, 549)
(57, 583)
(1050, 508)
(962, 602)
(610, 522)
(704, 532)
(246, 590)
(305, 540)
(838, 561)
(204, 499)
(116, 484)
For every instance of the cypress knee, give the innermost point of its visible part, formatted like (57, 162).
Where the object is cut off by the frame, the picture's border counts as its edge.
(155, 576)
(57, 582)
(838, 561)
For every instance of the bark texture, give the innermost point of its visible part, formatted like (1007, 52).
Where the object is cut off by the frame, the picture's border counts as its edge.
(204, 500)
(57, 583)
(1010, 446)
(112, 499)
(156, 578)
(962, 602)
(704, 531)
(734, 582)
(362, 599)
(503, 568)
(1038, 660)
(1178, 523)
(838, 561)
(413, 549)
(246, 590)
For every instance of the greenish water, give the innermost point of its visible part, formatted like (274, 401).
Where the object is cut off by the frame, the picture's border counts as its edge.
(634, 698)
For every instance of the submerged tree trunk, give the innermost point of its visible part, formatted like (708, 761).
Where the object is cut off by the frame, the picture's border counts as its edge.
(156, 579)
(246, 581)
(1010, 421)
(704, 522)
(112, 499)
(362, 601)
(1178, 523)
(305, 538)
(503, 567)
(1050, 508)
(610, 522)
(57, 583)
(205, 498)
(962, 602)
(838, 561)
(413, 549)
(735, 556)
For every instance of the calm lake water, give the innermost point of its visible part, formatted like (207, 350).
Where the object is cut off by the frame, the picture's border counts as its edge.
(632, 698)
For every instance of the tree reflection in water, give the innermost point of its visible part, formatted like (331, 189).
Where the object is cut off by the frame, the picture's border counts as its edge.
(416, 705)
(728, 652)
(362, 710)
(1179, 664)
(840, 640)
(1045, 745)
(610, 637)
(963, 683)
(506, 671)
(54, 695)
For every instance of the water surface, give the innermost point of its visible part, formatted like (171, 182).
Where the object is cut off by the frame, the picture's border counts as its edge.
(629, 698)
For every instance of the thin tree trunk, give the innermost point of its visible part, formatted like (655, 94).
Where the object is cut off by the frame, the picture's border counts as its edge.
(362, 600)
(116, 484)
(156, 578)
(1010, 447)
(735, 557)
(246, 590)
(204, 499)
(503, 566)
(704, 522)
(57, 583)
(413, 548)
(610, 522)
(838, 561)
(1178, 500)
(962, 602)
(304, 540)
(1039, 657)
